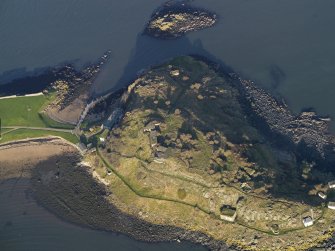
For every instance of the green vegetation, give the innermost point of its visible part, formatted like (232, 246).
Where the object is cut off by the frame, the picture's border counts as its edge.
(185, 140)
(145, 192)
(25, 117)
(22, 111)
(5, 130)
(19, 134)
(27, 111)
(52, 123)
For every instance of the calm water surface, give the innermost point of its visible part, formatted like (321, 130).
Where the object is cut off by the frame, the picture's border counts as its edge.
(285, 46)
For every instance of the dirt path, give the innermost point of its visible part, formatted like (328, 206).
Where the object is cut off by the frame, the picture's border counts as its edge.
(38, 128)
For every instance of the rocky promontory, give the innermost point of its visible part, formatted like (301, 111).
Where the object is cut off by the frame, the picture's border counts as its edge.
(307, 132)
(188, 143)
(186, 161)
(72, 90)
(173, 21)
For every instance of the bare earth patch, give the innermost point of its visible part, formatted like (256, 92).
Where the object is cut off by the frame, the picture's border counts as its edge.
(18, 158)
(71, 113)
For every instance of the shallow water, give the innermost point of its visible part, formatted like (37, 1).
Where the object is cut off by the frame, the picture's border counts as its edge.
(285, 46)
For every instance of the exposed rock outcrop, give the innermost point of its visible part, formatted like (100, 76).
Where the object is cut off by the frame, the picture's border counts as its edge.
(175, 20)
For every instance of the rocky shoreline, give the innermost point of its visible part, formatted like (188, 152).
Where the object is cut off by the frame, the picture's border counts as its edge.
(45, 79)
(72, 89)
(307, 131)
(325, 246)
(66, 188)
(74, 195)
(70, 192)
(174, 20)
(295, 133)
(307, 134)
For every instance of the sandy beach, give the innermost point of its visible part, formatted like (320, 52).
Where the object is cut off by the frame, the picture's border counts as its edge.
(17, 159)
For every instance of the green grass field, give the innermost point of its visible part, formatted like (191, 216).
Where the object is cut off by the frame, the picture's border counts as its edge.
(5, 130)
(26, 111)
(19, 134)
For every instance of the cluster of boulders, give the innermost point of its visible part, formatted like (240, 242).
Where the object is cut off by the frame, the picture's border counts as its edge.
(327, 245)
(70, 81)
(307, 128)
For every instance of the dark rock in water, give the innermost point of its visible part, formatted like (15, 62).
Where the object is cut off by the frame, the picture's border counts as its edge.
(173, 21)
(46, 77)
(307, 132)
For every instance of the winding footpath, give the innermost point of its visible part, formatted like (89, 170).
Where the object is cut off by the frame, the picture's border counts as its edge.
(163, 198)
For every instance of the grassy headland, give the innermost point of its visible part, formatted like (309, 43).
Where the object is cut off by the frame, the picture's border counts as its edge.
(186, 148)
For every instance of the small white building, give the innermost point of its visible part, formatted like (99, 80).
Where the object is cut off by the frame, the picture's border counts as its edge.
(308, 221)
(174, 73)
(331, 205)
(322, 195)
(331, 184)
(102, 140)
(228, 218)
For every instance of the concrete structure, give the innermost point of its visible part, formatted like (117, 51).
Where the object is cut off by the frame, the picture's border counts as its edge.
(228, 218)
(275, 229)
(228, 213)
(331, 205)
(152, 126)
(308, 221)
(175, 73)
(322, 195)
(331, 184)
